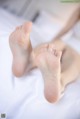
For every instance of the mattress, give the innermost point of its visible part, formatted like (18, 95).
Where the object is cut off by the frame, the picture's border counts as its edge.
(23, 98)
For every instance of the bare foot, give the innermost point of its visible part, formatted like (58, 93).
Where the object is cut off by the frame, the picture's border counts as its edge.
(47, 58)
(21, 48)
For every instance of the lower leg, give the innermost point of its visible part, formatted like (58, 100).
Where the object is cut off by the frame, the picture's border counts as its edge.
(69, 75)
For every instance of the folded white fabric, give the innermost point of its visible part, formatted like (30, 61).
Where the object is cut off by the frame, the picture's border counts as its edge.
(23, 98)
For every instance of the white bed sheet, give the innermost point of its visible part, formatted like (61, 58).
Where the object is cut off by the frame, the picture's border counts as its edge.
(23, 98)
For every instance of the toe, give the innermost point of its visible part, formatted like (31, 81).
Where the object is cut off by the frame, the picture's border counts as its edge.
(52, 49)
(57, 53)
(27, 27)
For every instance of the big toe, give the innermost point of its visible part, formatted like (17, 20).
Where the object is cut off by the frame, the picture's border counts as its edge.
(27, 27)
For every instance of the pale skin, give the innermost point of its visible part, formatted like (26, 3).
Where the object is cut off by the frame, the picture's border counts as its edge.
(25, 58)
(58, 63)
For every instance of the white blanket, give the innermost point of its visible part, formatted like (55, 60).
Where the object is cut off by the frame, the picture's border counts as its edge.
(23, 98)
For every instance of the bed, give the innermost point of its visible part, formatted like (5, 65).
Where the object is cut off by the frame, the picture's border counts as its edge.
(23, 98)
